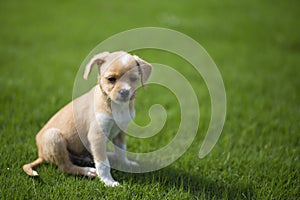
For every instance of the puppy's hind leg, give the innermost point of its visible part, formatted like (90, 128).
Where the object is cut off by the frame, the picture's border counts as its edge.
(28, 167)
(54, 149)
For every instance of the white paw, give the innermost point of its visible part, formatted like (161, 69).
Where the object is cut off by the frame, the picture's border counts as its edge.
(90, 172)
(131, 163)
(103, 172)
(34, 173)
(109, 182)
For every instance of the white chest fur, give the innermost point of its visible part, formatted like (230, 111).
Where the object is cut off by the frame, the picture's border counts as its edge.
(105, 123)
(112, 125)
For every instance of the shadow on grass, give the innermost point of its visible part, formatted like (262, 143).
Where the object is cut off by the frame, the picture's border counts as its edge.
(196, 185)
(169, 179)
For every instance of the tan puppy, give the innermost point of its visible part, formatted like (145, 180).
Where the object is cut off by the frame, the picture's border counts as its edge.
(84, 126)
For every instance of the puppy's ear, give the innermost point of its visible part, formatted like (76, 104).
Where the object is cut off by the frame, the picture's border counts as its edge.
(98, 59)
(145, 69)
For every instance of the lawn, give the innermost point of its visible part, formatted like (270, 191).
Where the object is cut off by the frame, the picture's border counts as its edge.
(256, 46)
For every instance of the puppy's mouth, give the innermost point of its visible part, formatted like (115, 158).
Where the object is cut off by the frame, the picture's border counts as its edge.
(122, 100)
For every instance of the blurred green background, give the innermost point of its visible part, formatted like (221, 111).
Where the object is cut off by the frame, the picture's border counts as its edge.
(255, 44)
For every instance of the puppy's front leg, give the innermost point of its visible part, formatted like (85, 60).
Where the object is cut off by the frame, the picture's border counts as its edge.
(97, 141)
(120, 150)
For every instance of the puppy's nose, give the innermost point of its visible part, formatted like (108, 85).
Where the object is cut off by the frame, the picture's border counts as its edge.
(124, 93)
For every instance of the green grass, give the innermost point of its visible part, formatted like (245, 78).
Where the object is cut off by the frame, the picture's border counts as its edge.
(256, 45)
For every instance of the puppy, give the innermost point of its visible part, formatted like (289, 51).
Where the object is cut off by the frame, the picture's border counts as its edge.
(84, 126)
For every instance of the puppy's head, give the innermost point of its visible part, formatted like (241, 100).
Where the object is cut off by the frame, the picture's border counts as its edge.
(119, 74)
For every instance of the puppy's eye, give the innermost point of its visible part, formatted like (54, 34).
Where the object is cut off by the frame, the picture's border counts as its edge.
(133, 79)
(112, 79)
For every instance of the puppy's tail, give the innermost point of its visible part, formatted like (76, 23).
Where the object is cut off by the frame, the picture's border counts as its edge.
(28, 167)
